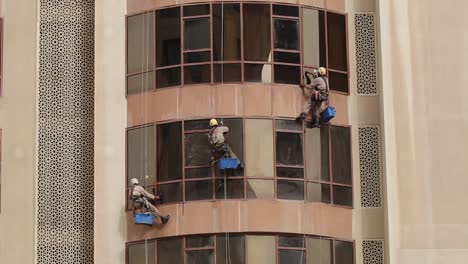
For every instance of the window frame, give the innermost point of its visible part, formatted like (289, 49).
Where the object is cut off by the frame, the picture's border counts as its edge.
(242, 61)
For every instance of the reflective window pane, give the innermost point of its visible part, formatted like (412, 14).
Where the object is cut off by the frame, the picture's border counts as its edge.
(290, 190)
(287, 74)
(317, 192)
(344, 252)
(286, 34)
(200, 257)
(291, 241)
(196, 10)
(312, 153)
(337, 43)
(257, 38)
(313, 37)
(140, 83)
(170, 193)
(227, 40)
(171, 251)
(319, 251)
(168, 37)
(199, 241)
(197, 149)
(287, 57)
(140, 253)
(197, 74)
(234, 190)
(198, 173)
(198, 190)
(287, 256)
(141, 154)
(194, 57)
(224, 73)
(190, 125)
(197, 33)
(257, 73)
(168, 77)
(341, 154)
(338, 81)
(292, 125)
(342, 195)
(289, 148)
(260, 189)
(259, 148)
(140, 42)
(284, 10)
(235, 249)
(289, 172)
(261, 249)
(169, 156)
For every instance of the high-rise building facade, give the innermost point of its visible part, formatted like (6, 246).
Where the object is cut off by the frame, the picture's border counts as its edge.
(95, 93)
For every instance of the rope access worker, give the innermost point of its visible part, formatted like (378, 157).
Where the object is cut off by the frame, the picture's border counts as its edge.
(140, 197)
(219, 148)
(317, 93)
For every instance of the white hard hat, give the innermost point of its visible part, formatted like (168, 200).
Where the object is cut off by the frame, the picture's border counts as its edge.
(134, 181)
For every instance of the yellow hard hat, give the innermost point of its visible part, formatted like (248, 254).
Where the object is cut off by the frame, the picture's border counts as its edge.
(213, 122)
(322, 71)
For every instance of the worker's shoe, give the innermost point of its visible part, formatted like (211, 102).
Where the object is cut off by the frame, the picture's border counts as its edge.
(301, 116)
(316, 124)
(165, 219)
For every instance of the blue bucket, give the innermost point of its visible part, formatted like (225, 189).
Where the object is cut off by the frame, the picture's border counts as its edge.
(327, 114)
(228, 164)
(143, 218)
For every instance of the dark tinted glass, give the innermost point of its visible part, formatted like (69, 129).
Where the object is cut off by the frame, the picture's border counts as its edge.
(140, 42)
(324, 149)
(337, 51)
(139, 253)
(341, 154)
(168, 37)
(290, 190)
(197, 149)
(289, 148)
(170, 193)
(287, 74)
(284, 10)
(200, 257)
(196, 10)
(227, 73)
(292, 125)
(197, 33)
(227, 40)
(338, 81)
(169, 156)
(198, 190)
(291, 241)
(291, 256)
(288, 57)
(191, 125)
(235, 189)
(235, 249)
(140, 83)
(197, 173)
(344, 252)
(168, 77)
(342, 195)
(257, 38)
(197, 74)
(199, 241)
(257, 73)
(289, 172)
(286, 34)
(171, 251)
(194, 57)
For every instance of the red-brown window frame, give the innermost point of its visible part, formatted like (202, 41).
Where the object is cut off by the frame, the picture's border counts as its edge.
(242, 61)
(244, 235)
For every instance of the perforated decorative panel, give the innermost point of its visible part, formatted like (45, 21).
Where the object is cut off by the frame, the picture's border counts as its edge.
(365, 54)
(65, 186)
(372, 252)
(369, 164)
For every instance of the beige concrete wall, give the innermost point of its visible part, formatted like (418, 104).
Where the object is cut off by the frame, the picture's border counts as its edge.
(424, 78)
(17, 121)
(110, 220)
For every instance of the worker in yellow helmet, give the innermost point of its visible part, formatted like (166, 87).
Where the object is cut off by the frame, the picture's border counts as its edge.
(317, 91)
(219, 146)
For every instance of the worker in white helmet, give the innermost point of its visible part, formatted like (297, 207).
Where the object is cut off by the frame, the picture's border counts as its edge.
(220, 148)
(317, 92)
(140, 197)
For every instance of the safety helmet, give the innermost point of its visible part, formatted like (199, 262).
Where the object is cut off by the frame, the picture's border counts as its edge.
(134, 181)
(213, 122)
(322, 71)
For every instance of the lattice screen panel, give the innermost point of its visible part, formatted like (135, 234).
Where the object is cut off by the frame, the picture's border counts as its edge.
(372, 252)
(369, 164)
(366, 68)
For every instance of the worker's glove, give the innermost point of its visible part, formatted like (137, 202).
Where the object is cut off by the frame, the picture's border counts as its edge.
(221, 123)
